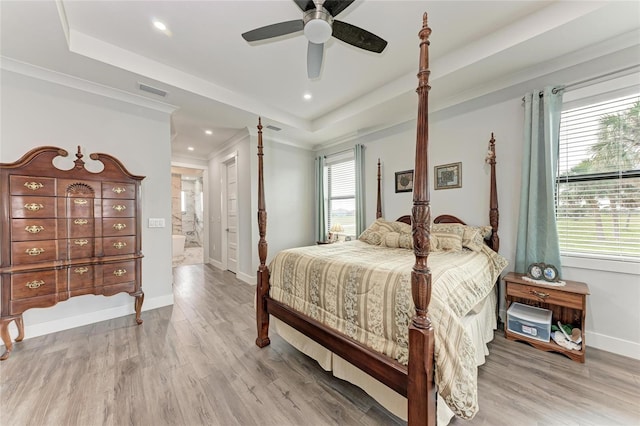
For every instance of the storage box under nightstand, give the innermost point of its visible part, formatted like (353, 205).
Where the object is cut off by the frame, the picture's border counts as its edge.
(529, 321)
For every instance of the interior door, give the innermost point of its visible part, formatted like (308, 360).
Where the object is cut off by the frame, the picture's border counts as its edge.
(232, 216)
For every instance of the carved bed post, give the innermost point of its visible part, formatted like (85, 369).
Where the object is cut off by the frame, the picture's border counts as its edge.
(262, 287)
(493, 197)
(421, 388)
(379, 202)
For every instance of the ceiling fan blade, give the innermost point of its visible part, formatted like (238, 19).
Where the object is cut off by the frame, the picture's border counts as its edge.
(334, 7)
(358, 37)
(274, 30)
(315, 53)
(305, 5)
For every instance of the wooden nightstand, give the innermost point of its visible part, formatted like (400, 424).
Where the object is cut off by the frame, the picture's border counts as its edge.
(568, 304)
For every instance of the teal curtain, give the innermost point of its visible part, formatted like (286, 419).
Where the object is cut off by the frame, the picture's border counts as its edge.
(537, 239)
(321, 226)
(359, 160)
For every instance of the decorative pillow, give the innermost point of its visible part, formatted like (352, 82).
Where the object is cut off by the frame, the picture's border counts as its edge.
(406, 240)
(398, 240)
(449, 235)
(391, 239)
(375, 233)
(474, 236)
(433, 240)
(400, 227)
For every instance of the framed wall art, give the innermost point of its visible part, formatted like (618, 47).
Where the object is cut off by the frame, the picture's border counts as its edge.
(404, 181)
(448, 176)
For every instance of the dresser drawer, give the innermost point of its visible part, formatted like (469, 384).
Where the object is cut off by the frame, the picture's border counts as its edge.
(33, 284)
(32, 185)
(118, 208)
(113, 246)
(33, 229)
(118, 226)
(23, 252)
(79, 207)
(80, 227)
(30, 207)
(545, 295)
(79, 248)
(83, 276)
(124, 191)
(115, 273)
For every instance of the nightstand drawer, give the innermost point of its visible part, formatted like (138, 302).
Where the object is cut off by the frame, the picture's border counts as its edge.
(545, 295)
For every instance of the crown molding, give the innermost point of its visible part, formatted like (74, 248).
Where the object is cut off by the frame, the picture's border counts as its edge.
(33, 71)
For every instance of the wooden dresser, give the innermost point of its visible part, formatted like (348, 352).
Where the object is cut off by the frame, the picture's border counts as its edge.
(66, 233)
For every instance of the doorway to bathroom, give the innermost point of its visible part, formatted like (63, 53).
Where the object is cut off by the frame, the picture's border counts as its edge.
(187, 216)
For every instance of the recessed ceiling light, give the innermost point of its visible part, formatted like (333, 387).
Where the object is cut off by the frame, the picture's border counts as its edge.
(307, 96)
(160, 25)
(190, 148)
(209, 132)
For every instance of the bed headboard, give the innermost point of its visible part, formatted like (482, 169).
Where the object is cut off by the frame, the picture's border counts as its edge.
(494, 240)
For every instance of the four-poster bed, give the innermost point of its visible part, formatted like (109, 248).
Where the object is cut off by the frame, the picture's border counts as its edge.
(404, 360)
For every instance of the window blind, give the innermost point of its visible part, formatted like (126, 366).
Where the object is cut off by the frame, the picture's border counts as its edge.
(340, 191)
(598, 184)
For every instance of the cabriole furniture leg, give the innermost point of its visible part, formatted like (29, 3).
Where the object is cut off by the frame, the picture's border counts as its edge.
(6, 337)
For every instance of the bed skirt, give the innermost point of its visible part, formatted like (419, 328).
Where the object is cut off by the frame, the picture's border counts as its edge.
(480, 326)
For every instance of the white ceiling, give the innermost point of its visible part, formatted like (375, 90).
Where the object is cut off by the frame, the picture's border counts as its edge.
(220, 82)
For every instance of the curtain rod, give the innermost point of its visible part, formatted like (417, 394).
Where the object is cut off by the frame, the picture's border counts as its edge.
(589, 80)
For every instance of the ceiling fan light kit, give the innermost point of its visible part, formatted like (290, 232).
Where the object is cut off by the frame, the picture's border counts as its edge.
(319, 25)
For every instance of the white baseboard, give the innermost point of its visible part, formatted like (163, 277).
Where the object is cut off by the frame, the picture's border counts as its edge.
(613, 344)
(215, 263)
(249, 279)
(48, 327)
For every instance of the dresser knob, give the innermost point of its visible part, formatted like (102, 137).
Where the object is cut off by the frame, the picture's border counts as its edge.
(35, 284)
(80, 201)
(119, 245)
(34, 251)
(119, 189)
(81, 270)
(81, 242)
(119, 226)
(33, 185)
(34, 229)
(119, 272)
(120, 207)
(33, 207)
(81, 221)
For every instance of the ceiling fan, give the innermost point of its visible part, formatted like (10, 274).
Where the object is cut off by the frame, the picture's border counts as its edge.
(319, 25)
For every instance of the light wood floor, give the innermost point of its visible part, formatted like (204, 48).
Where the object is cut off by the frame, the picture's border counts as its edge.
(195, 363)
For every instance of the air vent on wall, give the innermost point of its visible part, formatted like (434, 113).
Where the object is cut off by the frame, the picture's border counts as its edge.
(274, 128)
(154, 90)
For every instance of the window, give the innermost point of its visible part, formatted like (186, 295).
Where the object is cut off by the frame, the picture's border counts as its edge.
(598, 184)
(340, 193)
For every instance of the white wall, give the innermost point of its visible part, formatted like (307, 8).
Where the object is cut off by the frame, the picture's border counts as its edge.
(37, 112)
(289, 198)
(613, 318)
